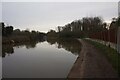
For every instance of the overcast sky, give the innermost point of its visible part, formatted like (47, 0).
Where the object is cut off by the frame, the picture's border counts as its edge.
(43, 16)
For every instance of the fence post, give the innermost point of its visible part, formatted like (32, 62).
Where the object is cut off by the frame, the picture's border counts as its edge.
(109, 37)
(118, 40)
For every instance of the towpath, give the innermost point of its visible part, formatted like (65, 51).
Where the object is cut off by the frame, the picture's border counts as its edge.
(91, 64)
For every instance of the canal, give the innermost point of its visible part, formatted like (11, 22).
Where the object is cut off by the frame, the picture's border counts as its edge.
(46, 59)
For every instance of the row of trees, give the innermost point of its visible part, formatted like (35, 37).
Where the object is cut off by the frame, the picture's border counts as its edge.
(84, 27)
(17, 35)
(6, 31)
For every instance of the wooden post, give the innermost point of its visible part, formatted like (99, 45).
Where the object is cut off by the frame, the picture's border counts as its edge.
(109, 37)
(118, 39)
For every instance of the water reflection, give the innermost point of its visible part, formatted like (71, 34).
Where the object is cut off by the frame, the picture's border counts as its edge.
(72, 45)
(50, 59)
(9, 49)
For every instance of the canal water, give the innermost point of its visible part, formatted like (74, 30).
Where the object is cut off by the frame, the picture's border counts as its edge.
(46, 59)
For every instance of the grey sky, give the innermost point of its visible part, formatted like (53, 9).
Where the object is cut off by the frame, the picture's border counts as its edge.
(59, 0)
(48, 15)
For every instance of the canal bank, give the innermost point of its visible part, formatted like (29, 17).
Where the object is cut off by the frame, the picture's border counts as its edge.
(91, 64)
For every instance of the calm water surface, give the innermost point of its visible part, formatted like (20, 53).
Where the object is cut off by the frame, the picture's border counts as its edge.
(48, 59)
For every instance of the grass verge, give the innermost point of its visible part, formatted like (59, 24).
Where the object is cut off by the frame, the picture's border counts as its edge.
(111, 54)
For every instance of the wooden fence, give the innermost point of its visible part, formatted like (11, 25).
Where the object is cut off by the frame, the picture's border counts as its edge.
(106, 35)
(109, 38)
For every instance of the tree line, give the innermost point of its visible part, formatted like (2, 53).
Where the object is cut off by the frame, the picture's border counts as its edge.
(10, 35)
(84, 27)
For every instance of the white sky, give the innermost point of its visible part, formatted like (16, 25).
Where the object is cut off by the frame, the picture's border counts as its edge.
(43, 16)
(60, 0)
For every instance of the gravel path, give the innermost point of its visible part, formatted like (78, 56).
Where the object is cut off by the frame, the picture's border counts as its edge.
(91, 64)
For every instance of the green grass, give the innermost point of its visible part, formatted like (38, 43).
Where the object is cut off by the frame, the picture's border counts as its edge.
(111, 54)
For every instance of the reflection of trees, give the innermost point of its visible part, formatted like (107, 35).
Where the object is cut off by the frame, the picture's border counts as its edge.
(71, 45)
(31, 44)
(51, 41)
(7, 49)
(28, 45)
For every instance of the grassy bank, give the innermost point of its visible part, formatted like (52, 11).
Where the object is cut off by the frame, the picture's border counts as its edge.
(111, 54)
